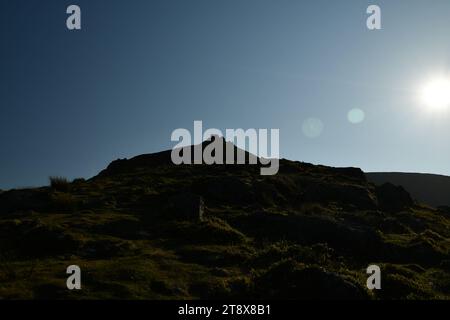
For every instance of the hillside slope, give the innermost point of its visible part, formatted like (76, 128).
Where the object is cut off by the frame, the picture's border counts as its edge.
(147, 229)
(431, 189)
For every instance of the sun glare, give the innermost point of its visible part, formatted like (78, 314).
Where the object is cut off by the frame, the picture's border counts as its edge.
(436, 94)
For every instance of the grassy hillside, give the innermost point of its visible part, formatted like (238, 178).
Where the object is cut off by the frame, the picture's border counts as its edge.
(146, 229)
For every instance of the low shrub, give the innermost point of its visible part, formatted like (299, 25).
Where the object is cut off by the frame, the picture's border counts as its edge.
(59, 184)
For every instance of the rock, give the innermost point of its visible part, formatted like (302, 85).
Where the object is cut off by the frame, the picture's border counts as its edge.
(391, 225)
(393, 198)
(292, 280)
(351, 172)
(346, 194)
(186, 206)
(225, 190)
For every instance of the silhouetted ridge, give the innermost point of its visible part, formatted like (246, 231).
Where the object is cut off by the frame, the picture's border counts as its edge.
(164, 157)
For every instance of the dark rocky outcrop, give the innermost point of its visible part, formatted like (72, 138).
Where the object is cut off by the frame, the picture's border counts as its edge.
(350, 195)
(393, 198)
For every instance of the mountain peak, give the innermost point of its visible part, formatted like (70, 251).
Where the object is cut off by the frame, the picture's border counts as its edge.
(165, 157)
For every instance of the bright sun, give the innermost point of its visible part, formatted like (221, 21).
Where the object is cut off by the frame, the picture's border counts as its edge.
(436, 94)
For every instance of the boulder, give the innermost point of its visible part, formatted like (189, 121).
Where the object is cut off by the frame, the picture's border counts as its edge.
(346, 194)
(393, 198)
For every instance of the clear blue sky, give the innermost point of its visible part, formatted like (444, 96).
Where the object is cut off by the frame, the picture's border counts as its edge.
(71, 102)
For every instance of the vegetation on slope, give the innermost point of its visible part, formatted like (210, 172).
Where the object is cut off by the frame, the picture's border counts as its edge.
(136, 232)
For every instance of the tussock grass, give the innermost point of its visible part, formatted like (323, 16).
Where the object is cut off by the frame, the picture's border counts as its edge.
(59, 183)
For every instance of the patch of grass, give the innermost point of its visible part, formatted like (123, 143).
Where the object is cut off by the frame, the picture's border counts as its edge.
(59, 184)
(214, 230)
(64, 202)
(320, 254)
(289, 279)
(216, 255)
